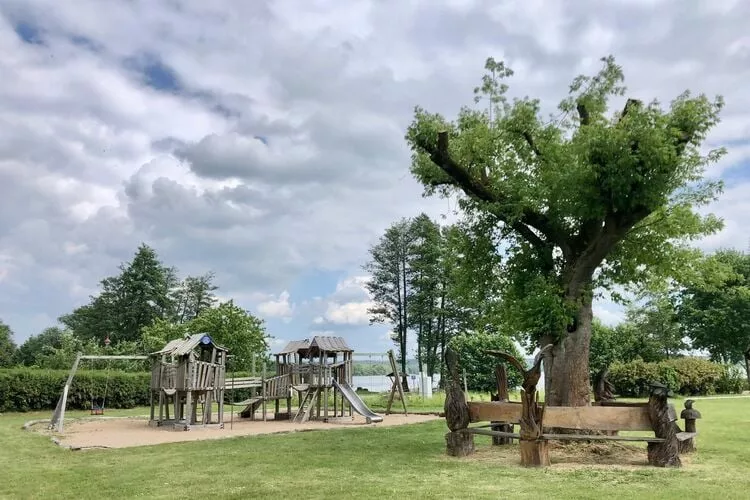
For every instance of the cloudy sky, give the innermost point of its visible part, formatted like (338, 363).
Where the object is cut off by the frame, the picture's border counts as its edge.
(264, 140)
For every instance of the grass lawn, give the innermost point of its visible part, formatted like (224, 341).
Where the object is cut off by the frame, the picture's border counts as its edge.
(395, 462)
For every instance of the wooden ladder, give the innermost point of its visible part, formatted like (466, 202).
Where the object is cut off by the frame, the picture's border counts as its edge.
(308, 403)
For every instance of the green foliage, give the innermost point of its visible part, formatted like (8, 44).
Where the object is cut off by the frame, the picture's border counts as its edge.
(480, 366)
(234, 328)
(390, 284)
(34, 349)
(367, 368)
(659, 325)
(7, 346)
(194, 295)
(634, 379)
(732, 381)
(687, 376)
(135, 298)
(715, 306)
(590, 198)
(27, 389)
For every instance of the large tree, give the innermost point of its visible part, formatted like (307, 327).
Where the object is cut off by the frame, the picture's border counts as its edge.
(135, 298)
(586, 199)
(194, 295)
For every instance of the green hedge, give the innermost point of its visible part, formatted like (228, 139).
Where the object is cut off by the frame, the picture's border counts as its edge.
(686, 376)
(27, 389)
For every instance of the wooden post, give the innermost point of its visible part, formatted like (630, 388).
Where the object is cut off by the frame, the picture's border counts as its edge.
(666, 453)
(501, 378)
(534, 448)
(458, 442)
(689, 415)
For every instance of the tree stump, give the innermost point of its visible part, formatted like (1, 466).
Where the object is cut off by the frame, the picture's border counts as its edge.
(535, 453)
(666, 453)
(689, 415)
(459, 444)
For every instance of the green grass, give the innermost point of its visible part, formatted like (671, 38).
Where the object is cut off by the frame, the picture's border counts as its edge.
(395, 462)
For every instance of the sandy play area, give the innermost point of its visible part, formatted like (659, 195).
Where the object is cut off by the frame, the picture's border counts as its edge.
(125, 432)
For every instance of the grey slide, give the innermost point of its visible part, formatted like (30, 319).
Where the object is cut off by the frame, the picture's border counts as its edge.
(357, 404)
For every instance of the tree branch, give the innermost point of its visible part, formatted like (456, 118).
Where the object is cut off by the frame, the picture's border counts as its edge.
(479, 190)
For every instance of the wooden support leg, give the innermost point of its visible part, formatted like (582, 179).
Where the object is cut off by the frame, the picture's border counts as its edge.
(534, 453)
(459, 444)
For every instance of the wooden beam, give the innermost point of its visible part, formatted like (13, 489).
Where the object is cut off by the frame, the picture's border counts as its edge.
(602, 418)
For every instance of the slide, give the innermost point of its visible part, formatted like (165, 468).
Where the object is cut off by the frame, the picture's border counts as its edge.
(357, 404)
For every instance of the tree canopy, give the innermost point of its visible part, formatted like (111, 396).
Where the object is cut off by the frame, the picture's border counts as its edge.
(585, 200)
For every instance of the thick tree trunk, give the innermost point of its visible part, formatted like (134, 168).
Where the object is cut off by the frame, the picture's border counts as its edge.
(566, 367)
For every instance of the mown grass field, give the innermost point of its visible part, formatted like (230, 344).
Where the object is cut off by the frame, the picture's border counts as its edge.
(395, 462)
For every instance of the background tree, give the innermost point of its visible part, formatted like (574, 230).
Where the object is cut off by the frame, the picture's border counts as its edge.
(586, 200)
(715, 306)
(194, 295)
(7, 346)
(31, 351)
(139, 295)
(480, 366)
(390, 287)
(234, 328)
(659, 326)
(424, 307)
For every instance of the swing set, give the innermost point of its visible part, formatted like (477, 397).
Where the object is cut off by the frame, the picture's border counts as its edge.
(56, 422)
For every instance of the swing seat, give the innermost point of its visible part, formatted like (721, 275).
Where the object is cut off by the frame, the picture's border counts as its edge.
(97, 410)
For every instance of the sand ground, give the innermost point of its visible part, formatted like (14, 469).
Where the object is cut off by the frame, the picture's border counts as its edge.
(135, 431)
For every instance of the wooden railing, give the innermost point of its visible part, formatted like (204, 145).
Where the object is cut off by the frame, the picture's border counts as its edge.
(277, 387)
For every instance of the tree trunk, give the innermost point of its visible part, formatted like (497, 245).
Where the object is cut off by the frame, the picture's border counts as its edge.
(747, 367)
(566, 367)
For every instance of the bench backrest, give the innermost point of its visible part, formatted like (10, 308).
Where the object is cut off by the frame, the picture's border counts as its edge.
(626, 417)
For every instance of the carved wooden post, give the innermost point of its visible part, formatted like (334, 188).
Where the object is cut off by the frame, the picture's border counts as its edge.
(458, 443)
(534, 448)
(689, 415)
(666, 453)
(501, 377)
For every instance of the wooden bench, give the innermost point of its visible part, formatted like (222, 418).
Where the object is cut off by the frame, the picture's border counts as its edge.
(538, 422)
(605, 417)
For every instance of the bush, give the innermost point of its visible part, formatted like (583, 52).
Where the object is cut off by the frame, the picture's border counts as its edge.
(732, 381)
(27, 389)
(697, 376)
(480, 366)
(686, 376)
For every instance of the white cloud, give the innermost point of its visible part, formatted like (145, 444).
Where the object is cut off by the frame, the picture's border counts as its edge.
(350, 313)
(277, 308)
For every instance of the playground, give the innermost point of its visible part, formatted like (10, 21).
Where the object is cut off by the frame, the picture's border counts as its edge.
(122, 432)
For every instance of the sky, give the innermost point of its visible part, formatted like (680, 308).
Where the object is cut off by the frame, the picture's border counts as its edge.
(264, 140)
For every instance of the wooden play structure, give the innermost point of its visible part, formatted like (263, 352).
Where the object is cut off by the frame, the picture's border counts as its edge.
(187, 375)
(540, 424)
(318, 374)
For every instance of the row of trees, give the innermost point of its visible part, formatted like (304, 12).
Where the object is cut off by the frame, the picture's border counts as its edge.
(434, 282)
(139, 310)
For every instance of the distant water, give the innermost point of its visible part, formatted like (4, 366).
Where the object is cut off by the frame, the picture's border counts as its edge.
(381, 383)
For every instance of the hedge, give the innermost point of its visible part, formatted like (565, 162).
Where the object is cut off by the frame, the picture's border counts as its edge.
(687, 376)
(28, 389)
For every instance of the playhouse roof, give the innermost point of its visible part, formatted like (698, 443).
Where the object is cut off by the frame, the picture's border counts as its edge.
(329, 344)
(181, 347)
(295, 346)
(318, 344)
